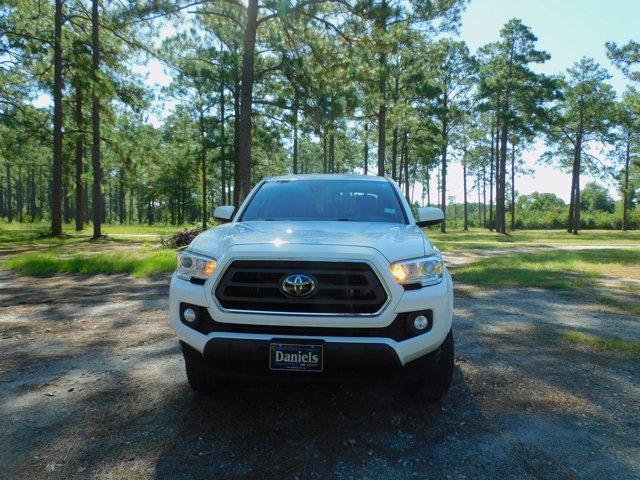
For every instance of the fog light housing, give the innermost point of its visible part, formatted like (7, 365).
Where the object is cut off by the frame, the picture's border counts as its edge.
(420, 322)
(417, 323)
(190, 314)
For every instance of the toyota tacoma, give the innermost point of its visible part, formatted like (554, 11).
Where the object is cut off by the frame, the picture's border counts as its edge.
(316, 277)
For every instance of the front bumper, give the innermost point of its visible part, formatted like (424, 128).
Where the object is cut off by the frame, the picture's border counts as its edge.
(352, 362)
(437, 298)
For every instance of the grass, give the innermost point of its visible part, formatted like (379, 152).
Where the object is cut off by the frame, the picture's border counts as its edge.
(139, 263)
(602, 343)
(452, 245)
(115, 229)
(25, 234)
(128, 250)
(553, 269)
(484, 239)
(15, 236)
(564, 270)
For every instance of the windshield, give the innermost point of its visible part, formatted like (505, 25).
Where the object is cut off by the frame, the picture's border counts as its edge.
(325, 200)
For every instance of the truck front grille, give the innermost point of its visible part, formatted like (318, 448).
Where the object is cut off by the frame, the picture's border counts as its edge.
(342, 287)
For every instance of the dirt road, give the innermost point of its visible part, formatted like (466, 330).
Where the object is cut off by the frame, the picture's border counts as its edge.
(92, 386)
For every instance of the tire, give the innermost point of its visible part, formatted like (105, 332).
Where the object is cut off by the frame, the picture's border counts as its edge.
(198, 373)
(438, 373)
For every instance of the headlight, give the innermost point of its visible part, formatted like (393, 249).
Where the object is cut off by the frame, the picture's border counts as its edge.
(423, 271)
(191, 265)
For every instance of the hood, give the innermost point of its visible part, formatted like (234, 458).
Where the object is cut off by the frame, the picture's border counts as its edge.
(395, 242)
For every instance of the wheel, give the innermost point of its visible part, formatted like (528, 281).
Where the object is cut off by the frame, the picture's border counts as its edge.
(198, 375)
(438, 373)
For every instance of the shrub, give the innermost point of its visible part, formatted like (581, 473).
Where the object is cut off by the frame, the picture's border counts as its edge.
(181, 239)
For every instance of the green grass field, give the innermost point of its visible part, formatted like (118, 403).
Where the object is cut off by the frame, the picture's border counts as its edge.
(484, 239)
(132, 249)
(16, 234)
(602, 343)
(553, 269)
(137, 262)
(586, 271)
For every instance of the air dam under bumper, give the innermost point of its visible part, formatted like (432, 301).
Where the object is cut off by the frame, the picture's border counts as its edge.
(352, 362)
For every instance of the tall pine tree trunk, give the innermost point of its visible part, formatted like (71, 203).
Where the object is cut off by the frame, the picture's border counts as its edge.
(574, 202)
(500, 205)
(572, 199)
(513, 186)
(497, 185)
(443, 171)
(401, 173)
(405, 151)
(325, 150)
(404, 160)
(295, 132)
(382, 114)
(56, 176)
(394, 154)
(491, 169)
(79, 153)
(131, 205)
(122, 208)
(34, 194)
(464, 189)
(246, 100)
(479, 184)
(484, 196)
(203, 168)
(19, 195)
(65, 197)
(576, 208)
(236, 142)
(2, 204)
(428, 188)
(7, 167)
(98, 209)
(223, 160)
(366, 148)
(625, 191)
(332, 152)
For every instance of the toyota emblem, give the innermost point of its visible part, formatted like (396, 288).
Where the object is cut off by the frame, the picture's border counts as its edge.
(298, 285)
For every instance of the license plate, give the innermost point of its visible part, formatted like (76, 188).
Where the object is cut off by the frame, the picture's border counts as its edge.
(296, 357)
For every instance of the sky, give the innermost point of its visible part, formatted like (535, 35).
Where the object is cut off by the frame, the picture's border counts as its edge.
(568, 30)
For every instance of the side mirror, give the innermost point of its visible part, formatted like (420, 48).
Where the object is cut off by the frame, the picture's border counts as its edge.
(224, 213)
(429, 216)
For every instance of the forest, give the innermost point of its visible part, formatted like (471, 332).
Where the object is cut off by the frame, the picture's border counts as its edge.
(267, 87)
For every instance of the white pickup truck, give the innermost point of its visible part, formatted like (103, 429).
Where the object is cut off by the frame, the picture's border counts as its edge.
(316, 277)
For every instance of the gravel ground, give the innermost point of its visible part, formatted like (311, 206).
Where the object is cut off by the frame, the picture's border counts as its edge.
(92, 386)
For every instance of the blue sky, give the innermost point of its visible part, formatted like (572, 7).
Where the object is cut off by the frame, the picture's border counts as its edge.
(568, 30)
